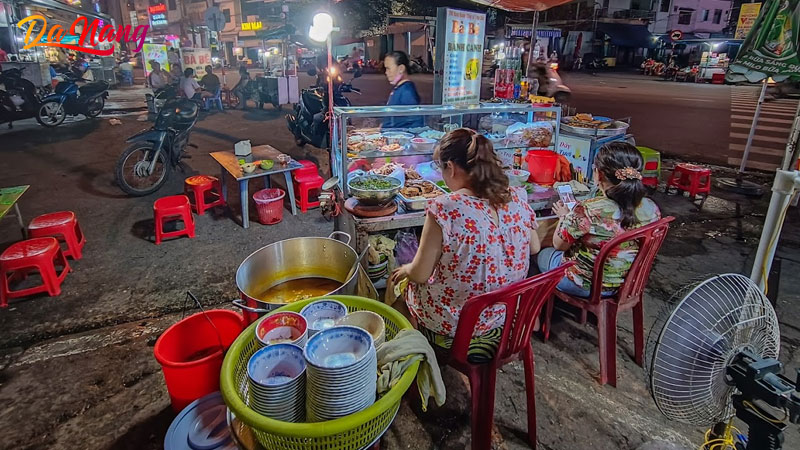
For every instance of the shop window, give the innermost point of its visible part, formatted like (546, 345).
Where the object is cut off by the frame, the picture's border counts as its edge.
(665, 6)
(227, 14)
(685, 16)
(172, 5)
(717, 15)
(705, 15)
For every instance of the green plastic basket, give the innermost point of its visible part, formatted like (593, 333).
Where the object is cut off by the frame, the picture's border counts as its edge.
(353, 432)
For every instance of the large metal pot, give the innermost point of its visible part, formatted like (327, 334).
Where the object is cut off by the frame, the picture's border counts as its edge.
(292, 259)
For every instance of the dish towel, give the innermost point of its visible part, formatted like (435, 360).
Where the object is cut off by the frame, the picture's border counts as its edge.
(398, 354)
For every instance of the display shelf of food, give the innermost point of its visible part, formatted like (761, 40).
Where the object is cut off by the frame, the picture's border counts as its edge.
(583, 134)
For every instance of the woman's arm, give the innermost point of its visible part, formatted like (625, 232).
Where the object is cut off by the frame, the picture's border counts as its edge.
(536, 245)
(428, 254)
(560, 244)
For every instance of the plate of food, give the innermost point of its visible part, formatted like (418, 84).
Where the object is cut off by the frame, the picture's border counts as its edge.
(587, 124)
(391, 148)
(417, 193)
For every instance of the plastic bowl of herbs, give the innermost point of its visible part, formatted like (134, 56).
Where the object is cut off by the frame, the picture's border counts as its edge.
(374, 189)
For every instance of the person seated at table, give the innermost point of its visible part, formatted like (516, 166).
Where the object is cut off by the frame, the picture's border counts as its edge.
(581, 232)
(189, 85)
(476, 239)
(209, 83)
(158, 77)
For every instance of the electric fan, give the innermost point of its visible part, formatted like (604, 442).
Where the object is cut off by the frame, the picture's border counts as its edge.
(713, 355)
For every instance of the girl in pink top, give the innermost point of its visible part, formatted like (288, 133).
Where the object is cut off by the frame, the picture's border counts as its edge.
(475, 240)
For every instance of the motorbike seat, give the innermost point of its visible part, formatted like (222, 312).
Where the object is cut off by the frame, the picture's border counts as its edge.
(93, 88)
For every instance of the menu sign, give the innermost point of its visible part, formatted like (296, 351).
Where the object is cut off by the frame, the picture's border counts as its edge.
(459, 41)
(748, 13)
(197, 59)
(154, 52)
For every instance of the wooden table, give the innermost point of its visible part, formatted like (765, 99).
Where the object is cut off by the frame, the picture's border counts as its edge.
(230, 164)
(8, 198)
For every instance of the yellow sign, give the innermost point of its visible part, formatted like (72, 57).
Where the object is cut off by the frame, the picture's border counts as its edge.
(251, 26)
(747, 16)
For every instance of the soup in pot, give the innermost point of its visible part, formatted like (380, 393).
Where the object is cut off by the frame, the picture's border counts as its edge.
(299, 289)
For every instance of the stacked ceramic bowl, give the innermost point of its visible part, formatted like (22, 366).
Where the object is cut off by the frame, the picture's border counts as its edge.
(378, 271)
(277, 377)
(368, 321)
(322, 314)
(282, 328)
(341, 374)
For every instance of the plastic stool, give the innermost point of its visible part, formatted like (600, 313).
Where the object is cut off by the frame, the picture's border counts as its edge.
(40, 254)
(692, 179)
(63, 226)
(173, 208)
(303, 186)
(308, 169)
(201, 186)
(651, 171)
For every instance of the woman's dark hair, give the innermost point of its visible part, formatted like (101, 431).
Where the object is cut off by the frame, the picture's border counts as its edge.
(475, 154)
(627, 191)
(188, 72)
(401, 59)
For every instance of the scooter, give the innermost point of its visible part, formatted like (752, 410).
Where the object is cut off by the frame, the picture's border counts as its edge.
(146, 164)
(550, 83)
(69, 99)
(309, 122)
(18, 99)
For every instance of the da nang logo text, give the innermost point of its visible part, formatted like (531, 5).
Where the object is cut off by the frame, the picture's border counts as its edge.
(89, 35)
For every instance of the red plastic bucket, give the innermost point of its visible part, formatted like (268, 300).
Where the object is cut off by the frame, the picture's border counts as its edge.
(190, 355)
(269, 203)
(542, 166)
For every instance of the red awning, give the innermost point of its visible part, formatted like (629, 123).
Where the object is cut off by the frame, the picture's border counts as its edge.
(522, 5)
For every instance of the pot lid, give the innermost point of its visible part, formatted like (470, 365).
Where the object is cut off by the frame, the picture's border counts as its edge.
(203, 425)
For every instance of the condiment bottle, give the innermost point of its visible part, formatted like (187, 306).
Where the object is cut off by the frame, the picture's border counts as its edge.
(517, 161)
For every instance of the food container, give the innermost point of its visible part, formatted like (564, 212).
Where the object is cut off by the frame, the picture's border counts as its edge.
(417, 203)
(397, 137)
(291, 259)
(420, 144)
(517, 176)
(284, 159)
(267, 164)
(249, 167)
(374, 196)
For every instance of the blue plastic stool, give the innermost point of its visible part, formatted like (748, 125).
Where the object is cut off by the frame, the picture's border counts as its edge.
(215, 100)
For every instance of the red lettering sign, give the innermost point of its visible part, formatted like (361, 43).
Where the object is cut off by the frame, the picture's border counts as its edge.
(159, 8)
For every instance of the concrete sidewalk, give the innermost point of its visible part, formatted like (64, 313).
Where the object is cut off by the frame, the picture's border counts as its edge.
(128, 98)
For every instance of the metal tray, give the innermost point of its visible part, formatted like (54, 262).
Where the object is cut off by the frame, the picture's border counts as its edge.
(618, 127)
(417, 203)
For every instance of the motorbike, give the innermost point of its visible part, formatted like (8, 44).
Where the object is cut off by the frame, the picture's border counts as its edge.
(550, 82)
(19, 99)
(419, 65)
(596, 64)
(159, 97)
(70, 99)
(309, 121)
(146, 164)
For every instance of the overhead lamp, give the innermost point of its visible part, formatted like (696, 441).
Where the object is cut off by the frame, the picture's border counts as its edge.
(321, 27)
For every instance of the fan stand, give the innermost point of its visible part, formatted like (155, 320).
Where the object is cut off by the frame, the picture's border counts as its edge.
(765, 429)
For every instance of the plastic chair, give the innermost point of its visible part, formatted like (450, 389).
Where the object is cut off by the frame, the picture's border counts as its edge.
(63, 226)
(174, 207)
(523, 301)
(628, 296)
(691, 178)
(206, 191)
(215, 100)
(40, 254)
(306, 187)
(308, 169)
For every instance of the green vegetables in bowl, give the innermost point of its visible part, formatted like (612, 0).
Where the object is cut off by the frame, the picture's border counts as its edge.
(374, 189)
(267, 164)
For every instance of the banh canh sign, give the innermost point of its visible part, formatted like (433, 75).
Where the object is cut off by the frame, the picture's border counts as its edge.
(747, 17)
(460, 36)
(157, 53)
(91, 34)
(197, 59)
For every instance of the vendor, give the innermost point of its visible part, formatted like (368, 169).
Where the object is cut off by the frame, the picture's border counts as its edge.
(404, 91)
(581, 232)
(475, 240)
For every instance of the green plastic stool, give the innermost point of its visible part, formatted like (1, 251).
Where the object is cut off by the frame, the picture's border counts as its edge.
(652, 166)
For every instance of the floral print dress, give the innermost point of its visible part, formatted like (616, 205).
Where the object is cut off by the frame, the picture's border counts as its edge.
(478, 256)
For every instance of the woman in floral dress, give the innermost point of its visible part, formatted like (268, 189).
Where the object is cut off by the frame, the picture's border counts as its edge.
(475, 240)
(581, 232)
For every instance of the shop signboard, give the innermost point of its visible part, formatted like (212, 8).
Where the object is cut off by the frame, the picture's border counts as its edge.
(770, 49)
(252, 26)
(158, 15)
(459, 41)
(157, 53)
(197, 59)
(747, 17)
(577, 151)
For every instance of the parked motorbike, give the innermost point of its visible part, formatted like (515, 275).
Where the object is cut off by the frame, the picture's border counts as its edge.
(309, 122)
(596, 64)
(19, 99)
(70, 99)
(159, 97)
(146, 164)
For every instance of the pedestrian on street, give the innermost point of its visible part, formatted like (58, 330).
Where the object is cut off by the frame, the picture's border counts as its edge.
(243, 87)
(189, 86)
(404, 91)
(209, 83)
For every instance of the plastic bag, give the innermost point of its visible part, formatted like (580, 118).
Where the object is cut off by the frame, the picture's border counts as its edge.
(406, 247)
(535, 134)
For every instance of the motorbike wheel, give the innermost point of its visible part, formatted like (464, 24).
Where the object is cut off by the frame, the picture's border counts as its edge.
(51, 114)
(95, 108)
(562, 97)
(134, 161)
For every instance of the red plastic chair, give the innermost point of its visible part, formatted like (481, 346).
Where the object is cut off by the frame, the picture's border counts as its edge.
(306, 188)
(206, 192)
(628, 296)
(691, 178)
(63, 226)
(39, 254)
(523, 301)
(171, 208)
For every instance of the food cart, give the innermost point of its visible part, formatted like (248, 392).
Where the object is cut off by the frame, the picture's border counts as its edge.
(580, 140)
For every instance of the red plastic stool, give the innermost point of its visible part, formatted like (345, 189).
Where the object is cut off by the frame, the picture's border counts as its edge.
(174, 207)
(691, 178)
(201, 187)
(63, 226)
(40, 254)
(308, 169)
(304, 188)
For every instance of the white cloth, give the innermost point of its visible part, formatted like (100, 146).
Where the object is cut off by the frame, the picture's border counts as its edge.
(397, 355)
(189, 86)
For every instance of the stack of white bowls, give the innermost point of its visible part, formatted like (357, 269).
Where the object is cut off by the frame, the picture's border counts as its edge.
(277, 377)
(341, 373)
(322, 314)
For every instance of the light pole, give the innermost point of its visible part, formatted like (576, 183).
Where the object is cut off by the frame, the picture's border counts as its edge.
(320, 31)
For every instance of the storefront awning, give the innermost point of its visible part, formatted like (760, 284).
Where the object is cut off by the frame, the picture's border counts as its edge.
(405, 27)
(627, 35)
(525, 31)
(522, 5)
(53, 4)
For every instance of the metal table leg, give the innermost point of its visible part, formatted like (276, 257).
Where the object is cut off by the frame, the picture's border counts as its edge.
(222, 185)
(267, 182)
(21, 222)
(290, 188)
(244, 197)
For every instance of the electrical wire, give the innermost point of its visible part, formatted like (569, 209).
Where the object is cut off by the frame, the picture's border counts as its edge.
(772, 243)
(726, 442)
(760, 414)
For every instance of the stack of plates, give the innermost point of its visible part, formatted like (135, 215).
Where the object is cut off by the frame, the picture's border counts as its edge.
(378, 271)
(277, 377)
(341, 373)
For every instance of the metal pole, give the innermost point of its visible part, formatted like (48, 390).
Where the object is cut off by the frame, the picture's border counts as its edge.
(791, 154)
(330, 97)
(749, 143)
(533, 42)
